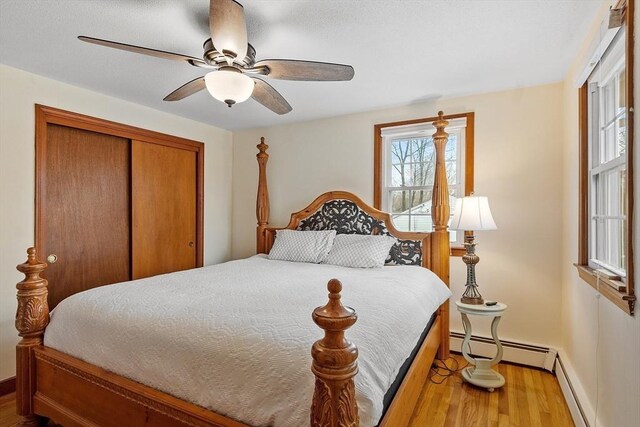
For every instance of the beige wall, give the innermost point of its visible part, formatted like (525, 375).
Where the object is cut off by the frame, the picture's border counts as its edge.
(605, 372)
(19, 91)
(518, 165)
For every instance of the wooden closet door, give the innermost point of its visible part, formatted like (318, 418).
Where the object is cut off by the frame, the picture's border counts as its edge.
(83, 210)
(164, 209)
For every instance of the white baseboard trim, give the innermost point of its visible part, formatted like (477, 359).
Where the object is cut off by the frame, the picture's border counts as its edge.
(574, 394)
(515, 352)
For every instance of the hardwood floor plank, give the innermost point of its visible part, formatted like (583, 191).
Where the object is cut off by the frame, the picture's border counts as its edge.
(532, 398)
(8, 415)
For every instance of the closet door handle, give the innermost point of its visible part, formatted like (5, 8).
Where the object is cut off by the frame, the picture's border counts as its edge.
(191, 244)
(51, 259)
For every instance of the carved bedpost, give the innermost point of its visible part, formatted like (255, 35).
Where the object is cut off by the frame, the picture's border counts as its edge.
(32, 317)
(334, 365)
(262, 201)
(440, 212)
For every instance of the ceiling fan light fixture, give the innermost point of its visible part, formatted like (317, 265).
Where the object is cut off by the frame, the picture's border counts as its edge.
(229, 85)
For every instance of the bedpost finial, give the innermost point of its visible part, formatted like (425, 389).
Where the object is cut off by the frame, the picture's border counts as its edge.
(262, 147)
(326, 316)
(440, 125)
(335, 287)
(31, 255)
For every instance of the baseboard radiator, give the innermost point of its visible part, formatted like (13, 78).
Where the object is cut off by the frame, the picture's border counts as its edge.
(574, 394)
(514, 352)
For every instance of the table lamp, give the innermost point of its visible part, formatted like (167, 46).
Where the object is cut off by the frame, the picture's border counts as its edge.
(472, 213)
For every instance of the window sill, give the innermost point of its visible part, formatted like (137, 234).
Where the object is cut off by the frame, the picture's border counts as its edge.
(458, 251)
(621, 299)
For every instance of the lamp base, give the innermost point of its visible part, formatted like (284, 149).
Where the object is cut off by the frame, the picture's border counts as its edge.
(472, 300)
(471, 294)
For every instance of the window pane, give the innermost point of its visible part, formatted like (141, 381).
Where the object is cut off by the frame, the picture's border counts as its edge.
(401, 222)
(421, 223)
(407, 204)
(400, 175)
(399, 201)
(451, 149)
(613, 192)
(422, 150)
(611, 243)
(621, 137)
(452, 175)
(413, 202)
(399, 151)
(622, 91)
(423, 173)
(608, 149)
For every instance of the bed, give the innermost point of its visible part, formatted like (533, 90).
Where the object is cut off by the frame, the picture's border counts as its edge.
(126, 354)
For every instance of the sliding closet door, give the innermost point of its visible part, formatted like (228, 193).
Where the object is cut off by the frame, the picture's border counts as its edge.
(83, 210)
(164, 209)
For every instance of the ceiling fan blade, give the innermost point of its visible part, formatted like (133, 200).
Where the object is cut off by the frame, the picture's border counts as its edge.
(266, 95)
(290, 69)
(147, 51)
(228, 27)
(187, 89)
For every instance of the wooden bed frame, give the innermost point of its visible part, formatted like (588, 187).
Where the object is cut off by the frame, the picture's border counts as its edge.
(52, 384)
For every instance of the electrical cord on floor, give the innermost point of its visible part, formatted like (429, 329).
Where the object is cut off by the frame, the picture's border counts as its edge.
(440, 371)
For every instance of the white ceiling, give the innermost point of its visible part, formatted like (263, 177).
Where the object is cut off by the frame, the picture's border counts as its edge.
(403, 52)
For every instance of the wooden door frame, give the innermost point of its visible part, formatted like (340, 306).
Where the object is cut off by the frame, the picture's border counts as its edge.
(45, 115)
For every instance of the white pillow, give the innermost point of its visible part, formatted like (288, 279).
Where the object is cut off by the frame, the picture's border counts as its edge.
(302, 246)
(360, 251)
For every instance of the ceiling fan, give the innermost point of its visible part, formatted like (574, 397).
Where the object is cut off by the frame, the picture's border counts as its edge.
(234, 75)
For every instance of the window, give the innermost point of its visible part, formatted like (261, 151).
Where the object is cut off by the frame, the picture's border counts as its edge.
(405, 169)
(606, 100)
(607, 138)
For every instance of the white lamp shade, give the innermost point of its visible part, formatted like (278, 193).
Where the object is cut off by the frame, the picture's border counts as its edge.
(472, 213)
(225, 86)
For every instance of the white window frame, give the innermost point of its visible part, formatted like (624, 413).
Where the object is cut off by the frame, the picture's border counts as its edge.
(608, 68)
(424, 130)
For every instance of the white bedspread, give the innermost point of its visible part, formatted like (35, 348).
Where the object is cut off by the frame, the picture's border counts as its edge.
(236, 337)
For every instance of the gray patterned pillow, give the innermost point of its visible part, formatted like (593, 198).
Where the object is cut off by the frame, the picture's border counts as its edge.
(360, 251)
(302, 246)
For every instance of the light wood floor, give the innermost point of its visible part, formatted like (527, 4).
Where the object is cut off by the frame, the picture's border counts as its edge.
(530, 398)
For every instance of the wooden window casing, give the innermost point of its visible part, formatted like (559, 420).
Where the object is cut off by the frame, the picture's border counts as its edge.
(625, 299)
(378, 155)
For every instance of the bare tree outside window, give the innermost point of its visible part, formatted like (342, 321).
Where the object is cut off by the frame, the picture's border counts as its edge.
(413, 175)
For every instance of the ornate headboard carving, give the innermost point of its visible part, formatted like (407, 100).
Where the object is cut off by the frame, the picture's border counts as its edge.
(347, 216)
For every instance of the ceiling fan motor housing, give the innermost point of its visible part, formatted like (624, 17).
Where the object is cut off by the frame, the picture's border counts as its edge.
(213, 57)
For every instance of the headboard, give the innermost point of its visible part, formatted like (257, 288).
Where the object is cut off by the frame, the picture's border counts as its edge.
(348, 214)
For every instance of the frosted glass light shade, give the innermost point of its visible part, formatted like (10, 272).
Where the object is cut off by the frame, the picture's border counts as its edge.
(472, 213)
(229, 86)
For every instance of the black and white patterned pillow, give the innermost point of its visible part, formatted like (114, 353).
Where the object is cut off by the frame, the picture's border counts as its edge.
(302, 246)
(360, 251)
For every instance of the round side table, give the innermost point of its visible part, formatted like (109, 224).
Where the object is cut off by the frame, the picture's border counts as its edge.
(480, 373)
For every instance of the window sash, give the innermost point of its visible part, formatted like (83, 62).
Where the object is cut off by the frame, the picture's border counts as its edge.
(418, 132)
(607, 242)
